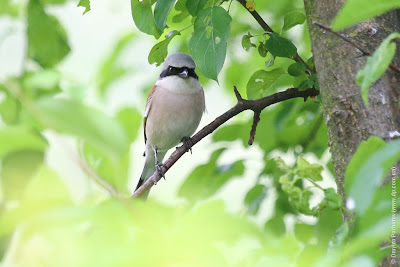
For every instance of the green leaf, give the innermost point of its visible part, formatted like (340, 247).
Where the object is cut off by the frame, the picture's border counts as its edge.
(85, 4)
(246, 42)
(15, 138)
(296, 69)
(255, 197)
(280, 47)
(161, 11)
(9, 110)
(270, 61)
(307, 170)
(368, 177)
(8, 7)
(263, 81)
(208, 43)
(131, 120)
(47, 40)
(92, 125)
(262, 50)
(207, 179)
(376, 65)
(143, 17)
(160, 51)
(304, 232)
(195, 6)
(332, 200)
(292, 19)
(355, 11)
(111, 69)
(341, 236)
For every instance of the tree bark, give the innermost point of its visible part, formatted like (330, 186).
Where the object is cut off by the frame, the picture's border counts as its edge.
(348, 120)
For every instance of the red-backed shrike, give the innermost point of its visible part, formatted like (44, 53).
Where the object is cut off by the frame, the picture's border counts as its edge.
(173, 111)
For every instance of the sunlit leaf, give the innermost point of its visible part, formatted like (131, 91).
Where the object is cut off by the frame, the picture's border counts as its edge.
(292, 19)
(262, 82)
(376, 65)
(355, 11)
(208, 43)
(18, 138)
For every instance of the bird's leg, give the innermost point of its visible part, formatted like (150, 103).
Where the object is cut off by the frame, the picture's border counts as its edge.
(188, 143)
(159, 165)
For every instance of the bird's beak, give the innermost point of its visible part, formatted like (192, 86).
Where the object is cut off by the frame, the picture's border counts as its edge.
(184, 74)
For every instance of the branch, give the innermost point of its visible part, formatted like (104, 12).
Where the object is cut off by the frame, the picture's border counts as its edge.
(351, 42)
(268, 29)
(255, 105)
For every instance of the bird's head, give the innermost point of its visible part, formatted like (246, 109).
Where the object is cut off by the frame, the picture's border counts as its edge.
(179, 64)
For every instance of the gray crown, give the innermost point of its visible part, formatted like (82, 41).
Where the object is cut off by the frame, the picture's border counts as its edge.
(179, 60)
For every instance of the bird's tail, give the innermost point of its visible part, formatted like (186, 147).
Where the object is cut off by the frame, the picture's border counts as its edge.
(148, 170)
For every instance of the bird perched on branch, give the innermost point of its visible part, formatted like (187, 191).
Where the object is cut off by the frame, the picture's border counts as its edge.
(173, 112)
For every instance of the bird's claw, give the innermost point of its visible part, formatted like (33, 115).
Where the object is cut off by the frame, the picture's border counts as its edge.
(188, 143)
(159, 168)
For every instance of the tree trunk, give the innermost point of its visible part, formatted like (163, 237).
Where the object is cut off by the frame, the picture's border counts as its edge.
(337, 63)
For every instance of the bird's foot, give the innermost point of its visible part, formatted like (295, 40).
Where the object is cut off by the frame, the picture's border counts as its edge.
(159, 169)
(188, 143)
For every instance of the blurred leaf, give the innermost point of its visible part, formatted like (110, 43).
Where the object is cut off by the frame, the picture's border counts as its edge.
(108, 169)
(255, 197)
(207, 179)
(238, 131)
(263, 81)
(332, 199)
(365, 180)
(362, 260)
(160, 51)
(292, 19)
(9, 8)
(270, 61)
(47, 40)
(161, 11)
(208, 43)
(47, 187)
(307, 170)
(17, 168)
(310, 63)
(355, 11)
(304, 232)
(341, 236)
(92, 125)
(296, 69)
(195, 6)
(328, 223)
(111, 70)
(276, 226)
(143, 17)
(180, 17)
(280, 47)
(9, 110)
(376, 65)
(14, 138)
(131, 120)
(85, 4)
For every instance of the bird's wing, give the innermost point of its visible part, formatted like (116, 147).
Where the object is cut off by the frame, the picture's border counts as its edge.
(147, 110)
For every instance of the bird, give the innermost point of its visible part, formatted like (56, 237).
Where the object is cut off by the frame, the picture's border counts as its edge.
(174, 108)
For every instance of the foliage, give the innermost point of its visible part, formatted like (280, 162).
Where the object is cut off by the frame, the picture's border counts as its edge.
(39, 213)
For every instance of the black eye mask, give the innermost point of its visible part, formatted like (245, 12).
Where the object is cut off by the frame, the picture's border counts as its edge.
(170, 71)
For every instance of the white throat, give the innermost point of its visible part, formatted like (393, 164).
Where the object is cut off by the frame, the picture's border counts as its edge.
(179, 85)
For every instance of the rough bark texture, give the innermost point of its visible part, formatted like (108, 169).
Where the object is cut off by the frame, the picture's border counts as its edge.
(337, 63)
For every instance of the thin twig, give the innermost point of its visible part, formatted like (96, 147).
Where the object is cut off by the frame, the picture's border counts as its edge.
(351, 42)
(255, 105)
(269, 30)
(256, 120)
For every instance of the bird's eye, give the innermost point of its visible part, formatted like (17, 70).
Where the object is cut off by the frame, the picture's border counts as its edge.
(170, 69)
